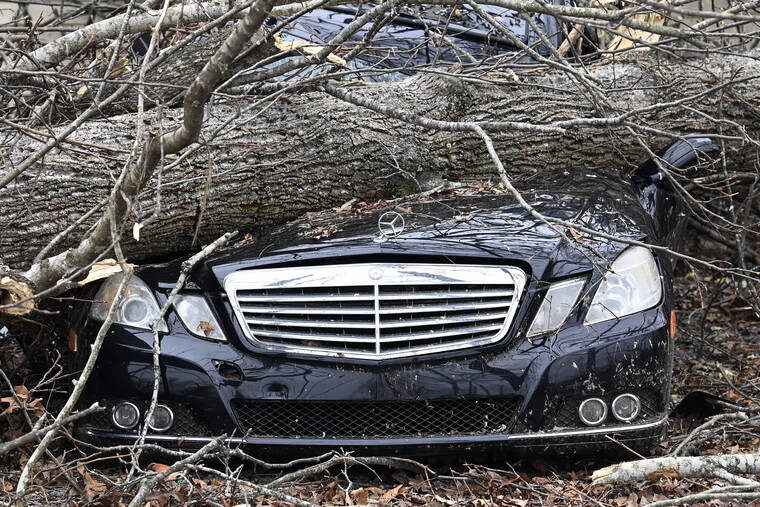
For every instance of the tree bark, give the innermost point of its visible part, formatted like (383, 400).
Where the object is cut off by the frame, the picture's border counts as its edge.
(169, 82)
(721, 466)
(310, 151)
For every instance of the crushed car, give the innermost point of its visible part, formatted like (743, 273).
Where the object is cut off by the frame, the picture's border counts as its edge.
(451, 320)
(448, 321)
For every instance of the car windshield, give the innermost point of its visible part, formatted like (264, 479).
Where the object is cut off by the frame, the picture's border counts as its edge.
(424, 36)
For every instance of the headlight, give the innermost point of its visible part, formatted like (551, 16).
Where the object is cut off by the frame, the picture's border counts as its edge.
(197, 317)
(631, 285)
(138, 308)
(557, 305)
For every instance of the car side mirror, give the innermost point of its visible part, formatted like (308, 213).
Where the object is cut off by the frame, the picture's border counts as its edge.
(681, 154)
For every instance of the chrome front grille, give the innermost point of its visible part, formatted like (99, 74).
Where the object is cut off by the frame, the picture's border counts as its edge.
(375, 311)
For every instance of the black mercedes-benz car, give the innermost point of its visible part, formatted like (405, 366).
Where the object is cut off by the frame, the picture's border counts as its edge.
(452, 320)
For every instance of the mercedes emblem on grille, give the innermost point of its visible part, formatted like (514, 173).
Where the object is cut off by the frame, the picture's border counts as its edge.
(391, 225)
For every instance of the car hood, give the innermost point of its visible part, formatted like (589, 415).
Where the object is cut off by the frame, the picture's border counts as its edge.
(466, 225)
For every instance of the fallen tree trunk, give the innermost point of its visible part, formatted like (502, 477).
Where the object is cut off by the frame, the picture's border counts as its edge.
(168, 83)
(311, 151)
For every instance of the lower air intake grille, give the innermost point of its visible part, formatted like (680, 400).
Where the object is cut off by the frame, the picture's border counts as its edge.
(375, 419)
(375, 311)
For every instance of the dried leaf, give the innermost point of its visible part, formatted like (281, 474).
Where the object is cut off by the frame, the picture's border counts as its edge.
(36, 406)
(22, 393)
(576, 236)
(634, 38)
(329, 491)
(361, 495)
(391, 494)
(100, 270)
(306, 47)
(157, 467)
(12, 405)
(92, 486)
(321, 232)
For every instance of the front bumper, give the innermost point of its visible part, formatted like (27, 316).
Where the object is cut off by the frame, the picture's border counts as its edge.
(549, 376)
(614, 439)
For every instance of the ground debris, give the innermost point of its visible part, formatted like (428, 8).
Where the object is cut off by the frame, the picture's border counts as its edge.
(716, 359)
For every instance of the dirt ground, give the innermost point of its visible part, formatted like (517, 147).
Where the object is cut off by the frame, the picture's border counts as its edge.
(717, 352)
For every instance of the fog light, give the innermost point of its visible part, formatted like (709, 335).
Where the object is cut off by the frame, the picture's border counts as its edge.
(626, 407)
(125, 415)
(162, 419)
(593, 411)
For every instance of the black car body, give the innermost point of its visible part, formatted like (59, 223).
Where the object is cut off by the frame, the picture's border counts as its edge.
(412, 344)
(329, 333)
(410, 38)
